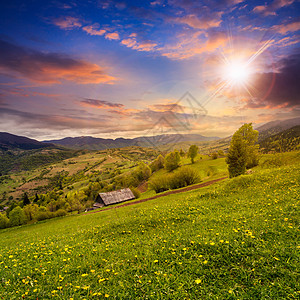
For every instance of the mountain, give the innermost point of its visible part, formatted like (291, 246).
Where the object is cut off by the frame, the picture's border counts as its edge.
(11, 142)
(274, 127)
(287, 140)
(92, 143)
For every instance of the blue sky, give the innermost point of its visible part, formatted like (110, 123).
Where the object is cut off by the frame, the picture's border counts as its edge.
(119, 68)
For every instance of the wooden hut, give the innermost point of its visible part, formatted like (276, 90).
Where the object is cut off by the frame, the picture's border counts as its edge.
(104, 199)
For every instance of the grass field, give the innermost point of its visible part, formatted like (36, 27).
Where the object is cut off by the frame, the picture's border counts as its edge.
(238, 239)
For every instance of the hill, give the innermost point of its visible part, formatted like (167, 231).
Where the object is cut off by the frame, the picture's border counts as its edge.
(19, 153)
(235, 240)
(287, 140)
(275, 127)
(12, 142)
(92, 143)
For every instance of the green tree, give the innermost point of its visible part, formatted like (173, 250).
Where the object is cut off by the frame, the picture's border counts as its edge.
(192, 153)
(172, 160)
(26, 200)
(17, 216)
(157, 164)
(182, 153)
(4, 221)
(243, 151)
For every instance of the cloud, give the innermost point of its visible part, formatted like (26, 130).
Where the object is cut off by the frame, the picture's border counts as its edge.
(289, 27)
(191, 44)
(203, 22)
(112, 36)
(49, 68)
(280, 89)
(270, 10)
(100, 103)
(140, 46)
(93, 29)
(174, 107)
(67, 23)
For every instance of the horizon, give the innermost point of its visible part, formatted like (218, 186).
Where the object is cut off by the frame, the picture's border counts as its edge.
(111, 69)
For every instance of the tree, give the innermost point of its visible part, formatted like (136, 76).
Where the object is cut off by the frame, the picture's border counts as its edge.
(243, 151)
(4, 221)
(182, 153)
(172, 160)
(26, 200)
(17, 216)
(157, 164)
(192, 153)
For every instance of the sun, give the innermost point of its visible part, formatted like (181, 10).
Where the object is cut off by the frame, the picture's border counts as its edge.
(236, 72)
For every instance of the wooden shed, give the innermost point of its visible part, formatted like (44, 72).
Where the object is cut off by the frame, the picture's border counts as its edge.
(104, 199)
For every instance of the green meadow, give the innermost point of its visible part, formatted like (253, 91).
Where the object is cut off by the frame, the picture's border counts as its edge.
(236, 239)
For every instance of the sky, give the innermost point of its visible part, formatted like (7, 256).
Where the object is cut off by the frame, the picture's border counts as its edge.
(132, 68)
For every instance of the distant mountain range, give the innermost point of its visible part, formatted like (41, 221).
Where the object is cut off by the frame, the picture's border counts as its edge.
(92, 143)
(11, 142)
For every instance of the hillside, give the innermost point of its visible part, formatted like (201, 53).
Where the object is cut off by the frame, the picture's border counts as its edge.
(275, 127)
(12, 142)
(92, 143)
(234, 240)
(287, 140)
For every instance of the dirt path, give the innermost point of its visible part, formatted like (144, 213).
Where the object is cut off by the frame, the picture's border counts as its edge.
(188, 188)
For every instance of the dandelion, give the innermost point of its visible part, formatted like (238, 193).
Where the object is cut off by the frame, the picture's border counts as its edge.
(198, 281)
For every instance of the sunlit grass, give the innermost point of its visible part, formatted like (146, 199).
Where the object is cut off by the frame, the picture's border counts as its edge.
(234, 240)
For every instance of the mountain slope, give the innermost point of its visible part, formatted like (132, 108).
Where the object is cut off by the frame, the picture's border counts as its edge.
(275, 127)
(91, 143)
(287, 140)
(11, 142)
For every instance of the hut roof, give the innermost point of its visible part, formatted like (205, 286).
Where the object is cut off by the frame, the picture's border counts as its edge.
(116, 196)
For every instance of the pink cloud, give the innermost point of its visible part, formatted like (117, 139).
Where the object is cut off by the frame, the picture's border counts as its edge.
(284, 28)
(112, 36)
(269, 10)
(93, 30)
(200, 23)
(67, 23)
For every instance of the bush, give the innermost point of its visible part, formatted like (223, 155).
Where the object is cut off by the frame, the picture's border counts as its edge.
(135, 192)
(43, 215)
(60, 213)
(184, 177)
(214, 155)
(4, 221)
(17, 216)
(172, 160)
(211, 170)
(159, 184)
(181, 178)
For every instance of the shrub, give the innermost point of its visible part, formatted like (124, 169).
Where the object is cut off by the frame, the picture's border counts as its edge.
(43, 215)
(159, 184)
(17, 216)
(211, 170)
(214, 155)
(60, 213)
(172, 160)
(4, 221)
(135, 192)
(183, 177)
